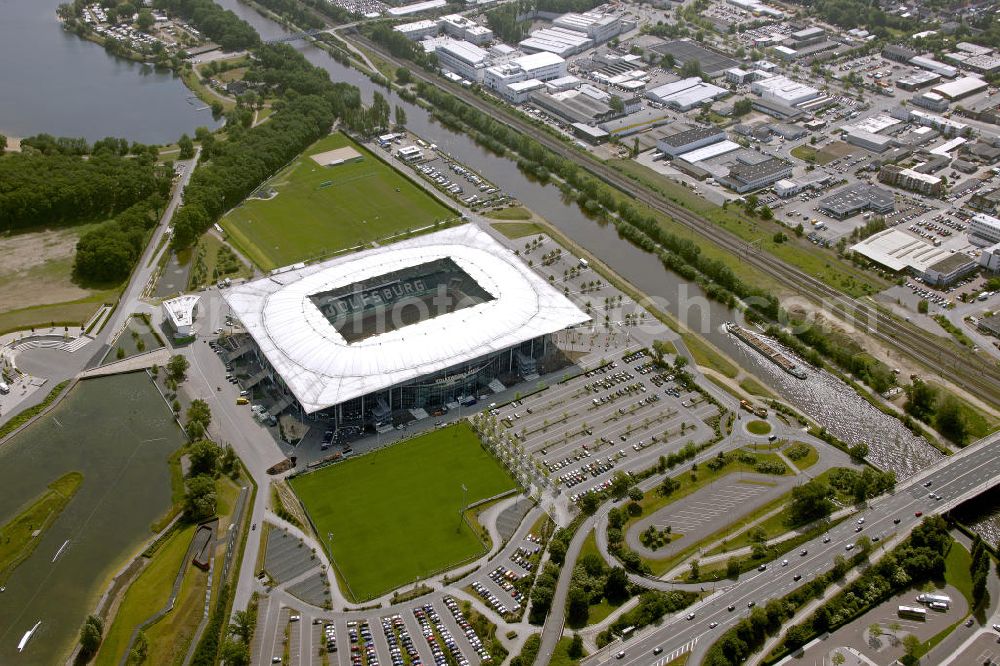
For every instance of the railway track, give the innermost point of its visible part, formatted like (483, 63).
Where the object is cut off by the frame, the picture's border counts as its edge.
(963, 369)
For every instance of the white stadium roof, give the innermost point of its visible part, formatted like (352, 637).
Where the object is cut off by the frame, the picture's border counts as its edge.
(322, 369)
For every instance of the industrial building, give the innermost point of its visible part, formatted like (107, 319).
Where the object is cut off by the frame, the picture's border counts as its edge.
(931, 101)
(984, 229)
(595, 25)
(685, 50)
(418, 29)
(686, 94)
(465, 59)
(559, 41)
(899, 252)
(539, 67)
(959, 88)
(685, 141)
(877, 143)
(931, 65)
(989, 258)
(917, 80)
(466, 29)
(910, 179)
(747, 175)
(413, 325)
(853, 199)
(784, 90)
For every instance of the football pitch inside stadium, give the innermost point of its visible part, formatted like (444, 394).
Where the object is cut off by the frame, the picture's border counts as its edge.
(392, 516)
(310, 211)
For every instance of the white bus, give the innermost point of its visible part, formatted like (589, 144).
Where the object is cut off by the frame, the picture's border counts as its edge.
(913, 612)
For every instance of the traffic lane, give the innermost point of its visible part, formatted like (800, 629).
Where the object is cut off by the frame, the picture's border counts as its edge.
(902, 505)
(758, 587)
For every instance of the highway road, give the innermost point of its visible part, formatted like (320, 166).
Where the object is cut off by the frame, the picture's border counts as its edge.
(955, 479)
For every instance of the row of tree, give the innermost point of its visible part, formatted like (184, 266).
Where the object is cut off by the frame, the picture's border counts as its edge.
(54, 187)
(294, 12)
(305, 111)
(220, 25)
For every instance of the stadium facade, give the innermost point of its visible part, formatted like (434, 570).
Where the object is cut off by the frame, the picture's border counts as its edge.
(414, 325)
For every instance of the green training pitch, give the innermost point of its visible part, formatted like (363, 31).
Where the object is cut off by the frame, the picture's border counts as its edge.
(319, 210)
(394, 514)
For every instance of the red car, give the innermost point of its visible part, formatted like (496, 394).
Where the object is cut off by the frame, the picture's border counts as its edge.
(918, 514)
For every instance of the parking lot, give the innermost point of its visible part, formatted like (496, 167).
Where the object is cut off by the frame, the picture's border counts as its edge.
(620, 416)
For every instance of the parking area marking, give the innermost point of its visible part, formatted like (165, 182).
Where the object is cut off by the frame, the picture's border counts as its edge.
(699, 512)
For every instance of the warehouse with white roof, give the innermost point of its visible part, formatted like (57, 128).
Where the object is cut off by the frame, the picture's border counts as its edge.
(412, 325)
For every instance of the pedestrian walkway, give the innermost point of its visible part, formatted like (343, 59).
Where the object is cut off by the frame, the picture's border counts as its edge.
(131, 364)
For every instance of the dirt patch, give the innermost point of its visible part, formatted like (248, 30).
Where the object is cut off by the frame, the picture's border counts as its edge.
(36, 269)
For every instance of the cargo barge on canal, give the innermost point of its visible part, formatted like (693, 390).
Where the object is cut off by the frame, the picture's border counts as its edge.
(760, 345)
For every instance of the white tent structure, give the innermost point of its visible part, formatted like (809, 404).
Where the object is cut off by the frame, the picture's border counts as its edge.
(322, 369)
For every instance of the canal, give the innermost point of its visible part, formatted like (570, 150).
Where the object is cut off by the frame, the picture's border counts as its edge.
(118, 433)
(55, 82)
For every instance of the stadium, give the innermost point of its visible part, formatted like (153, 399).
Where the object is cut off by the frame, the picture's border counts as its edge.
(411, 327)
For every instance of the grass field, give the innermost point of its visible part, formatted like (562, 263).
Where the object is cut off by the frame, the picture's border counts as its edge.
(394, 513)
(320, 210)
(757, 427)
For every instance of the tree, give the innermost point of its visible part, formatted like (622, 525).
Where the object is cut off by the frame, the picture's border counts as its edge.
(921, 398)
(400, 116)
(695, 571)
(810, 501)
(589, 503)
(199, 416)
(950, 421)
(139, 652)
(235, 653)
(242, 626)
(922, 306)
(732, 568)
(575, 650)
(145, 20)
(838, 659)
(691, 68)
(616, 104)
(3, 144)
(204, 457)
(577, 606)
(90, 636)
(911, 644)
(742, 107)
(859, 452)
(187, 147)
(199, 498)
(177, 367)
(403, 76)
(635, 494)
(616, 585)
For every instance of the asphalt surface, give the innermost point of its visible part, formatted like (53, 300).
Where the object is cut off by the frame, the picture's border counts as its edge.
(955, 479)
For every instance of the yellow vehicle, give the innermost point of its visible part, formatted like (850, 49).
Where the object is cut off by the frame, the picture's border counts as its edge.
(242, 401)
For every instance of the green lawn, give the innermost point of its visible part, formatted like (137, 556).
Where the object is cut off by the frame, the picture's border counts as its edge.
(753, 387)
(512, 213)
(956, 570)
(320, 210)
(18, 541)
(394, 513)
(759, 427)
(516, 230)
(560, 656)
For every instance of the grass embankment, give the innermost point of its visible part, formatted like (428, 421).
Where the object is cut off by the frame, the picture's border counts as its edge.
(753, 387)
(334, 208)
(394, 514)
(145, 596)
(820, 263)
(24, 416)
(512, 213)
(214, 261)
(24, 531)
(954, 330)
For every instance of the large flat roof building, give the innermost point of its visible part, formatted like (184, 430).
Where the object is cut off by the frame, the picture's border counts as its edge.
(856, 198)
(408, 325)
(688, 140)
(746, 176)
